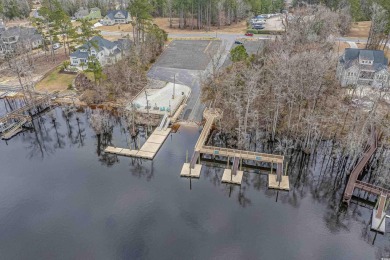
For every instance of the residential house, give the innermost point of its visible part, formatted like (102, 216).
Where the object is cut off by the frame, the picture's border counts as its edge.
(106, 52)
(94, 13)
(116, 17)
(361, 67)
(83, 13)
(25, 38)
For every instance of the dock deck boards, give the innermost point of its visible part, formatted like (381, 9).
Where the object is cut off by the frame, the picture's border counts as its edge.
(274, 184)
(148, 150)
(186, 171)
(235, 179)
(376, 221)
(201, 148)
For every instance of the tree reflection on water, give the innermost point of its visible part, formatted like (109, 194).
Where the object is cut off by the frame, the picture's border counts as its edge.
(320, 175)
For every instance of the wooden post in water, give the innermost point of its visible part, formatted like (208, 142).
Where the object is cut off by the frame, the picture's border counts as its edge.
(285, 171)
(227, 162)
(240, 161)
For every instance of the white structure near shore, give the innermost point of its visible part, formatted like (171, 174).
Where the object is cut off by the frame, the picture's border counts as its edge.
(162, 100)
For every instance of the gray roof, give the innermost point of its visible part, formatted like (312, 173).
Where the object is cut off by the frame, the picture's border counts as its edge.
(81, 12)
(123, 44)
(99, 42)
(22, 32)
(112, 13)
(79, 54)
(96, 41)
(351, 57)
(366, 55)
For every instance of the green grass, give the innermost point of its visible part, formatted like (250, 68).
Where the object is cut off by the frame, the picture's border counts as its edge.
(55, 81)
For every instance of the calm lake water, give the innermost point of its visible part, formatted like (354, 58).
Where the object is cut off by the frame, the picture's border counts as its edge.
(60, 199)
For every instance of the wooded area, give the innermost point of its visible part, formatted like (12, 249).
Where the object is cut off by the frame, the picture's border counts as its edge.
(289, 92)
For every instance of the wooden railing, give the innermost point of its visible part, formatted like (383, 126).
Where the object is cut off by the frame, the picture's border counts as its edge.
(248, 155)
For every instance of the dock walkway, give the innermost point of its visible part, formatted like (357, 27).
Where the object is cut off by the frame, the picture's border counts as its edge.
(19, 118)
(237, 155)
(148, 150)
(353, 181)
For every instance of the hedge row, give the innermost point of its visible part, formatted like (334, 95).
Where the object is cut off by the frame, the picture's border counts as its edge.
(254, 31)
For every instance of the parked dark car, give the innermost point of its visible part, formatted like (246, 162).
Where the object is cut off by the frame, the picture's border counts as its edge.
(237, 42)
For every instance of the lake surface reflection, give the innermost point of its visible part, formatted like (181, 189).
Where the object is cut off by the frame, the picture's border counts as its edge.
(61, 197)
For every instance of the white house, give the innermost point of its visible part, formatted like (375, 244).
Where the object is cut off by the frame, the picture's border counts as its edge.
(105, 51)
(116, 17)
(361, 67)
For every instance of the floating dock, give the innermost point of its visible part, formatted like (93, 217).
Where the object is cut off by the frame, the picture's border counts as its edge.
(378, 219)
(148, 150)
(234, 175)
(235, 179)
(283, 184)
(187, 171)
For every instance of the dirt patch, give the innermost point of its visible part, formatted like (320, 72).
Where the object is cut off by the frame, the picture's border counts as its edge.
(41, 66)
(128, 28)
(43, 63)
(341, 46)
(360, 29)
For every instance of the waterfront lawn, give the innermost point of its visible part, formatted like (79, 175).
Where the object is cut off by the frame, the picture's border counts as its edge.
(55, 81)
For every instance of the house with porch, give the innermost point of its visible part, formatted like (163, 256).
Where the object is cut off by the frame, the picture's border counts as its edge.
(116, 17)
(363, 68)
(105, 51)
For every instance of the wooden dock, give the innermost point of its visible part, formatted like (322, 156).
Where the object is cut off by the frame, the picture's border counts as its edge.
(18, 116)
(189, 172)
(378, 218)
(148, 150)
(353, 181)
(238, 155)
(229, 177)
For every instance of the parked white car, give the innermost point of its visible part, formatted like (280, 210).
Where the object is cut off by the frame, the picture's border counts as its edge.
(56, 46)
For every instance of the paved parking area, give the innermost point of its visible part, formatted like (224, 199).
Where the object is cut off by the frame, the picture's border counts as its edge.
(188, 54)
(252, 46)
(186, 62)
